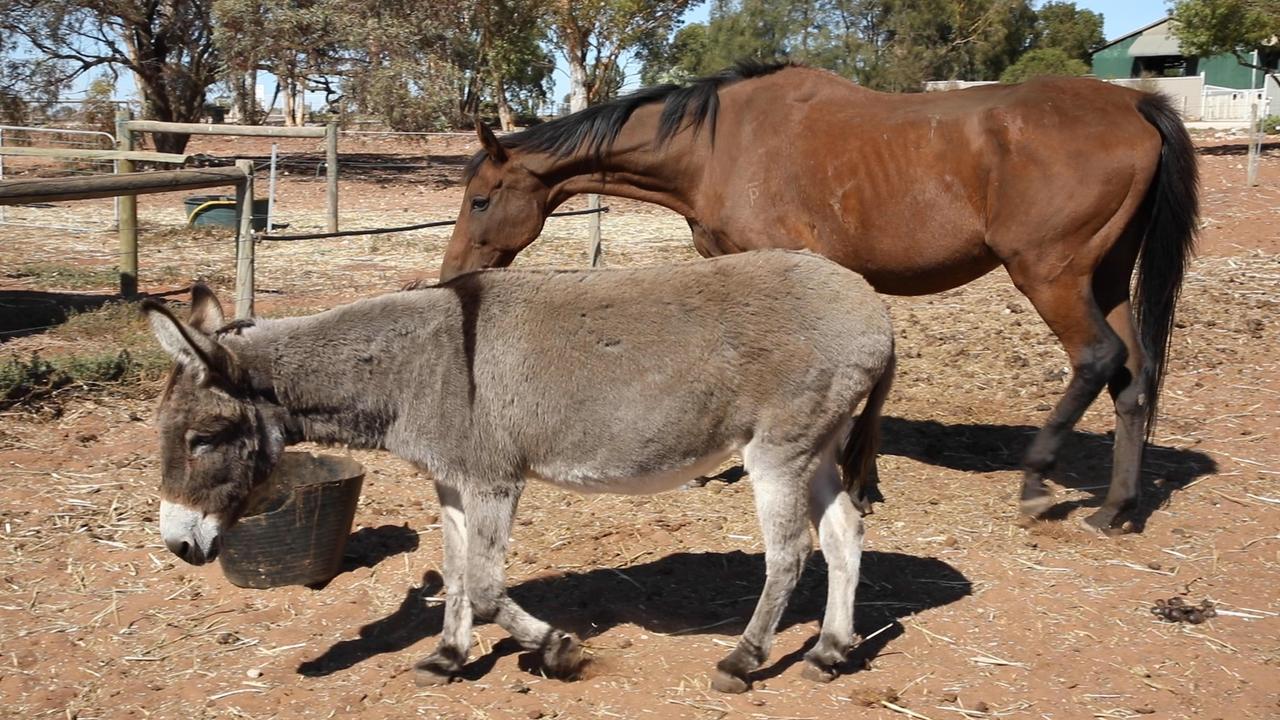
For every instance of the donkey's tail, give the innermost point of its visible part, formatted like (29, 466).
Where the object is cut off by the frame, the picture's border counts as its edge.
(1169, 240)
(858, 457)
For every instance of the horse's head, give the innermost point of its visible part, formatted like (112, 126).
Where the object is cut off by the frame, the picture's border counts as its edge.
(219, 438)
(502, 211)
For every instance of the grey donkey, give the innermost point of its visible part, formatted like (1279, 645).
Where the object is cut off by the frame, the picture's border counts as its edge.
(624, 381)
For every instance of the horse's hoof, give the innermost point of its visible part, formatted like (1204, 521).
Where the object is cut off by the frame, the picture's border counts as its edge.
(817, 673)
(562, 658)
(722, 681)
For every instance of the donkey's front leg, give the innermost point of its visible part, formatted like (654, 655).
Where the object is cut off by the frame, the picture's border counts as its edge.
(455, 639)
(490, 509)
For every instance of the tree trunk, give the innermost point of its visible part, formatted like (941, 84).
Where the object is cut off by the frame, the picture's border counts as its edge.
(577, 82)
(506, 116)
(248, 100)
(290, 101)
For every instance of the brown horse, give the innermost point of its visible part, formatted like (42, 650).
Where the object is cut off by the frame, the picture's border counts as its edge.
(1067, 183)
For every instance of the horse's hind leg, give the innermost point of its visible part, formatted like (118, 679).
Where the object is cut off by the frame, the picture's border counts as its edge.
(455, 639)
(490, 509)
(839, 528)
(1131, 390)
(1066, 304)
(779, 478)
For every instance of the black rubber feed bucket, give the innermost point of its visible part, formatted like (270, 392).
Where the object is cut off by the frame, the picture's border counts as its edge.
(296, 528)
(220, 210)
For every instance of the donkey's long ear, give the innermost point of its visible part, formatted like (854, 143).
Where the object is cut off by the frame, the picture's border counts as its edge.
(188, 346)
(490, 143)
(206, 311)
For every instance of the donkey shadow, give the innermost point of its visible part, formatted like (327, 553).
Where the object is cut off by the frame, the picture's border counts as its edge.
(681, 594)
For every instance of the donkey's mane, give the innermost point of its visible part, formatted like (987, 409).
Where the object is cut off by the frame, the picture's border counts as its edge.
(594, 129)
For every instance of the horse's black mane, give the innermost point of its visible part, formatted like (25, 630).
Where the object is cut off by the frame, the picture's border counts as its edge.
(593, 130)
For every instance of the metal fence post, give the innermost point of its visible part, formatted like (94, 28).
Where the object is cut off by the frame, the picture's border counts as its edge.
(331, 175)
(244, 242)
(127, 226)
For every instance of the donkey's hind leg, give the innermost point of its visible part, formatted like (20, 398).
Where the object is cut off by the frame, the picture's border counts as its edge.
(490, 509)
(779, 477)
(455, 639)
(839, 527)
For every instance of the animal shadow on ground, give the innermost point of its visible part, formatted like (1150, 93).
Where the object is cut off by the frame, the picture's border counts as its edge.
(1084, 464)
(367, 547)
(680, 594)
(1234, 149)
(27, 312)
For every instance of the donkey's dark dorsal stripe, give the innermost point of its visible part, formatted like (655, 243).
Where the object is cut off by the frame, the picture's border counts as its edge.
(1069, 183)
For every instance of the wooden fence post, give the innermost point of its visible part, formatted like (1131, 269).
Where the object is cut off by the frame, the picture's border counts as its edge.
(244, 242)
(331, 172)
(593, 255)
(127, 227)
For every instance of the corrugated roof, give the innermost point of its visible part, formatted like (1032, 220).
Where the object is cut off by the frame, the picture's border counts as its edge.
(1128, 35)
(1156, 40)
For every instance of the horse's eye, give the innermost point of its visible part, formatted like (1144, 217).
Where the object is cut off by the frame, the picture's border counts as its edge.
(479, 203)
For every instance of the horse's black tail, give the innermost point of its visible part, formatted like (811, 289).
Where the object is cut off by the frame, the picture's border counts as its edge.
(1169, 240)
(858, 456)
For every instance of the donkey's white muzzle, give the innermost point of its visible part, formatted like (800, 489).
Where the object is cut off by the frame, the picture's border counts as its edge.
(188, 533)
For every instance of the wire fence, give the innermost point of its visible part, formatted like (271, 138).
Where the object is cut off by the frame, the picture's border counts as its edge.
(82, 220)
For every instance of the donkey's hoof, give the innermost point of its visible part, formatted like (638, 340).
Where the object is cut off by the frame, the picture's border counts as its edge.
(437, 669)
(1032, 508)
(722, 681)
(562, 657)
(424, 676)
(1108, 522)
(818, 673)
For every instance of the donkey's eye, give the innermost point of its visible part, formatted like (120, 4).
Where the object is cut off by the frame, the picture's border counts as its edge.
(200, 444)
(479, 203)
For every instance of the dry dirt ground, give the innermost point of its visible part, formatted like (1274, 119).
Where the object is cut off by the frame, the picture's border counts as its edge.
(971, 615)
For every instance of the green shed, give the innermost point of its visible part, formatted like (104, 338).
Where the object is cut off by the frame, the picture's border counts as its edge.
(1154, 51)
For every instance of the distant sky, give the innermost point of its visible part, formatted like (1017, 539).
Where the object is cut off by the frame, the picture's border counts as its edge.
(1118, 16)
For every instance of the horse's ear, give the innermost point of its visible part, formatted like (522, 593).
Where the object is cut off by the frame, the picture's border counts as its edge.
(490, 143)
(206, 311)
(188, 346)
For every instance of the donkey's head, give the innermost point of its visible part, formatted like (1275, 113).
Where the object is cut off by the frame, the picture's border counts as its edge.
(219, 436)
(503, 210)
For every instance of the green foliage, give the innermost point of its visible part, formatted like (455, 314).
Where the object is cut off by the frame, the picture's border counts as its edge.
(1237, 27)
(167, 46)
(879, 43)
(592, 35)
(1271, 124)
(1074, 31)
(99, 112)
(1212, 27)
(1043, 61)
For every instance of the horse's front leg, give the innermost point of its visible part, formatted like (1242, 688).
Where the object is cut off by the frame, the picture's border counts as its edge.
(490, 509)
(455, 639)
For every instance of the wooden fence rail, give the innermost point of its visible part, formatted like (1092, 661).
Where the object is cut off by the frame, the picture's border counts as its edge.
(128, 187)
